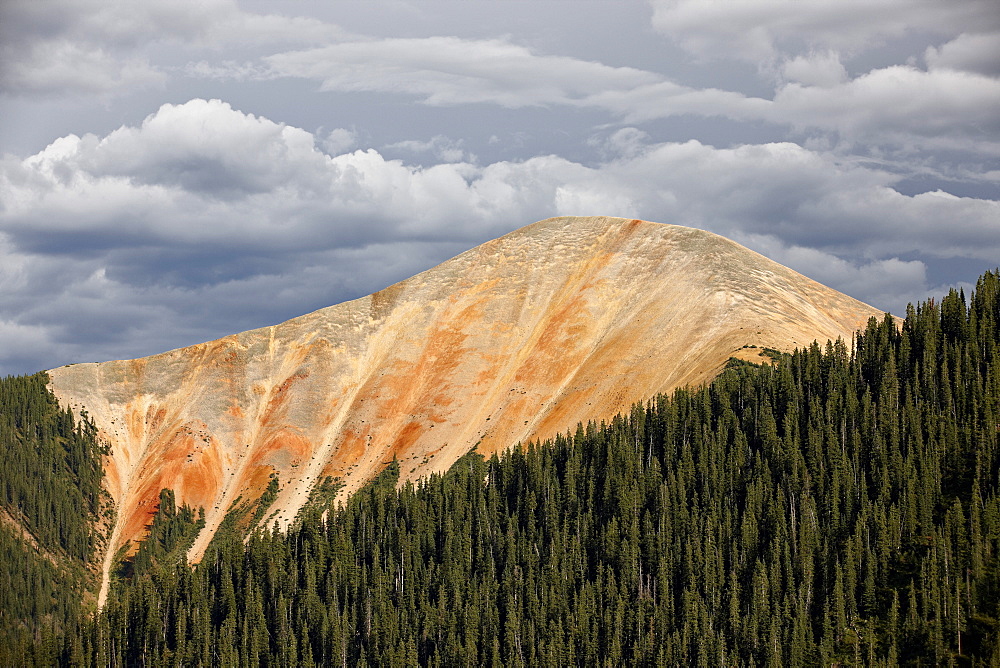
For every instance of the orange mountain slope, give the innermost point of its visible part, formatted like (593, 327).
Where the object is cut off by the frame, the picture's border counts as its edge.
(566, 320)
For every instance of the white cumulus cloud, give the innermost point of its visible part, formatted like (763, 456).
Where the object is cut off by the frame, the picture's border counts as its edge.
(972, 52)
(204, 220)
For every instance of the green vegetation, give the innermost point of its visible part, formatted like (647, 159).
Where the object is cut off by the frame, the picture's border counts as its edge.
(834, 507)
(322, 498)
(170, 535)
(51, 506)
(839, 506)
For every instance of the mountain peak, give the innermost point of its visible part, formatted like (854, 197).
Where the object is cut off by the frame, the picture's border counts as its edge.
(565, 320)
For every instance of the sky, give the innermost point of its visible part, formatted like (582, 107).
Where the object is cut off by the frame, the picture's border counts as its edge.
(173, 171)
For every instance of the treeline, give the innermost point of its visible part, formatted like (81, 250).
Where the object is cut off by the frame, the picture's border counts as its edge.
(50, 505)
(838, 507)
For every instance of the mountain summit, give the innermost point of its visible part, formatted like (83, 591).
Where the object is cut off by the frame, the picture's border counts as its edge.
(562, 321)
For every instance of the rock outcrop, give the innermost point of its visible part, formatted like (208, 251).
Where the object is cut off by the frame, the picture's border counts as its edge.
(566, 320)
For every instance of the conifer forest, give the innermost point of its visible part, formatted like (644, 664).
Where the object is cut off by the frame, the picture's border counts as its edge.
(839, 505)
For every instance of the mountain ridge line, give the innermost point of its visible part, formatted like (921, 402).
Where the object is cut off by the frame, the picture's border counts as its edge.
(565, 320)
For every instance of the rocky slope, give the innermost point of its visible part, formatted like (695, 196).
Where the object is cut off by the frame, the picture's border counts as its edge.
(566, 320)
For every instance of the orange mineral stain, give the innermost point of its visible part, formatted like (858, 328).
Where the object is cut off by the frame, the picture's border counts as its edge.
(521, 338)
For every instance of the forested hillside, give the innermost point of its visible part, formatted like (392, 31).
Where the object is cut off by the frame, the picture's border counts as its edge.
(839, 506)
(567, 320)
(835, 507)
(50, 505)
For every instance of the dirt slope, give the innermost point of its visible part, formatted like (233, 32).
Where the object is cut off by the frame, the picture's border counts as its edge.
(562, 321)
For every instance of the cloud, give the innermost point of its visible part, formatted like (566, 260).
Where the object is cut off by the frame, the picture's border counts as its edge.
(339, 140)
(226, 70)
(446, 71)
(205, 174)
(204, 220)
(624, 142)
(59, 65)
(893, 108)
(439, 146)
(815, 69)
(666, 99)
(450, 70)
(763, 30)
(901, 106)
(206, 146)
(64, 47)
(897, 108)
(971, 52)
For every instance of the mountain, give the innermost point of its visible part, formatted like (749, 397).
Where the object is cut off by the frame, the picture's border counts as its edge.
(521, 338)
(838, 507)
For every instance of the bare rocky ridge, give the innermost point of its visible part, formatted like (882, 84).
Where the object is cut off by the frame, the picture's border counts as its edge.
(566, 320)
